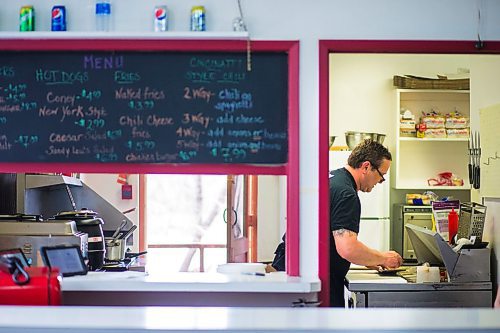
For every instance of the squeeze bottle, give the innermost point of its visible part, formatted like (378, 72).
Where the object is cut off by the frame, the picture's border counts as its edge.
(452, 224)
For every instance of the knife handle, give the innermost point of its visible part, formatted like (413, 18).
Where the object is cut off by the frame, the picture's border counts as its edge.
(476, 177)
(478, 182)
(471, 179)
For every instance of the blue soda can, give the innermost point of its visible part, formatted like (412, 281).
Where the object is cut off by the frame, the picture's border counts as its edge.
(58, 18)
(198, 18)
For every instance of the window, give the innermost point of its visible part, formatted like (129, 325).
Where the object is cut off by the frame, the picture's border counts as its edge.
(186, 228)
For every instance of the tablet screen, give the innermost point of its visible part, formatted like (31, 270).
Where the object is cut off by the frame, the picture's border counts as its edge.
(68, 259)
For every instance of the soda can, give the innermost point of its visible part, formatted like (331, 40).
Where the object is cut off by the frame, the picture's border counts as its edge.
(198, 18)
(161, 20)
(58, 18)
(27, 18)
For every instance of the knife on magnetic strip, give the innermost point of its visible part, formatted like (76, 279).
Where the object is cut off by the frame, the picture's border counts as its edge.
(471, 179)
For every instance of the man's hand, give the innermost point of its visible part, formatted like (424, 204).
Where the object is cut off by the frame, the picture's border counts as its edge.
(392, 259)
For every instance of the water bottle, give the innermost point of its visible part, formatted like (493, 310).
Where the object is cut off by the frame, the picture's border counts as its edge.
(103, 15)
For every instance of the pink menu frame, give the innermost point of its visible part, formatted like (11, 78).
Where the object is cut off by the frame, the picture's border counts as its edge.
(290, 169)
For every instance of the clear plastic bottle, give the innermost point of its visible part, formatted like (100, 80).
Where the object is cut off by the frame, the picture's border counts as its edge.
(103, 15)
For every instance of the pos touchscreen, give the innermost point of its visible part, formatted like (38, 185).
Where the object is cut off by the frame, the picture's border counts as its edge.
(68, 258)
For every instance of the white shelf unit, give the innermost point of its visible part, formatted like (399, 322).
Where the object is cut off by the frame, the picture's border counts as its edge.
(181, 35)
(420, 159)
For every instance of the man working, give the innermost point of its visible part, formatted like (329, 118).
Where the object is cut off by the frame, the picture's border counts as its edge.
(367, 165)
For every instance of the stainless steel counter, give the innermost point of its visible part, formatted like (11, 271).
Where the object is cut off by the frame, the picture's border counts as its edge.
(188, 289)
(373, 290)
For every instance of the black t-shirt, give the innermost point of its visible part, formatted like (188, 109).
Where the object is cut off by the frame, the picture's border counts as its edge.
(345, 213)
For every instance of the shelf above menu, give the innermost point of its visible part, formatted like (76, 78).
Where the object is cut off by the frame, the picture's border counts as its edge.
(209, 35)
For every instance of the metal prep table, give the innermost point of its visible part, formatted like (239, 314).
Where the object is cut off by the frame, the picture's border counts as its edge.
(372, 290)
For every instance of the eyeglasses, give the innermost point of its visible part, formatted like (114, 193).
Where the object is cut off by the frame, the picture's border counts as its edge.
(381, 175)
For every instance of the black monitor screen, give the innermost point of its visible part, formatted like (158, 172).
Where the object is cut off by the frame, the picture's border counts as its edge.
(68, 259)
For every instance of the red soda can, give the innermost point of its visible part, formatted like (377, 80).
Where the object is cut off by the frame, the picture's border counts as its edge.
(58, 18)
(161, 20)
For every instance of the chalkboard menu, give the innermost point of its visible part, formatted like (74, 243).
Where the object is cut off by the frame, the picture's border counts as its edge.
(143, 107)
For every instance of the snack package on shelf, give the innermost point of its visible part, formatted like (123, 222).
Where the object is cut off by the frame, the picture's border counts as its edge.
(433, 120)
(435, 133)
(455, 120)
(406, 114)
(421, 199)
(407, 124)
(457, 133)
(408, 133)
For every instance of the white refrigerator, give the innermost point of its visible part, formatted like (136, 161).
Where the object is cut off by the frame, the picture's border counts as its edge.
(374, 229)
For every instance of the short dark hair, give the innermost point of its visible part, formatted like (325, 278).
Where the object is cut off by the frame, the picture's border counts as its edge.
(370, 151)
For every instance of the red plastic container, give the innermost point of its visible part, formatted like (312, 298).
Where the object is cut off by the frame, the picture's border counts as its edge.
(452, 225)
(44, 288)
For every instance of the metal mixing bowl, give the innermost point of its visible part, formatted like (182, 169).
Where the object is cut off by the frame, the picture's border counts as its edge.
(353, 138)
(330, 142)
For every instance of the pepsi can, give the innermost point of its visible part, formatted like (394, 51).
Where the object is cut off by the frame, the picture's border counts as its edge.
(58, 18)
(161, 22)
(198, 18)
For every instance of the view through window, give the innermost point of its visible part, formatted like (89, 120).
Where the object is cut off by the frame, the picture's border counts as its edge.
(186, 231)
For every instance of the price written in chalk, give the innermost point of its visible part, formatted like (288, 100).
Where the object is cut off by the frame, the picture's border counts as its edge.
(26, 140)
(91, 123)
(141, 145)
(229, 154)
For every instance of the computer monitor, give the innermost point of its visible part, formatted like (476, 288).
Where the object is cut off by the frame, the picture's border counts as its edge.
(425, 244)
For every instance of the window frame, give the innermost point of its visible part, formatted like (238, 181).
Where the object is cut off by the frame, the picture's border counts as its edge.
(363, 46)
(290, 169)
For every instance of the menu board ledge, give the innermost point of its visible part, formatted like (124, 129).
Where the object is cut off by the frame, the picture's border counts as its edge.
(209, 35)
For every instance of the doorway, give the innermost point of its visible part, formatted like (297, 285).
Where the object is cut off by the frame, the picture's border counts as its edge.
(363, 46)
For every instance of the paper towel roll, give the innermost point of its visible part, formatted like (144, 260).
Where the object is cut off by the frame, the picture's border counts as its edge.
(428, 274)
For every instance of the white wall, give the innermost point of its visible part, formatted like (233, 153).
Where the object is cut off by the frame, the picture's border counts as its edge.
(361, 87)
(307, 21)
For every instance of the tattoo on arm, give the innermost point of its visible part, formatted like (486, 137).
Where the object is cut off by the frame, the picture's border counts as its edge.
(341, 232)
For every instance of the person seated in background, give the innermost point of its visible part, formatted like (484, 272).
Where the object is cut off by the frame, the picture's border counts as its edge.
(279, 261)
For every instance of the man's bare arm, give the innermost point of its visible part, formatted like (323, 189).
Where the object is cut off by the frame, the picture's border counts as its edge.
(350, 248)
